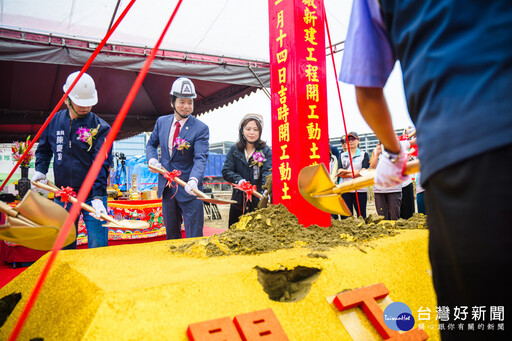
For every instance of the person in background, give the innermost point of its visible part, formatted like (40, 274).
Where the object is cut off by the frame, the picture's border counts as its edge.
(407, 208)
(249, 160)
(360, 161)
(407, 205)
(334, 165)
(344, 145)
(184, 145)
(420, 201)
(445, 87)
(334, 162)
(388, 200)
(73, 138)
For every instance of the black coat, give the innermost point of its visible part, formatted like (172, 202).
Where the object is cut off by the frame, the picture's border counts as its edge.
(237, 168)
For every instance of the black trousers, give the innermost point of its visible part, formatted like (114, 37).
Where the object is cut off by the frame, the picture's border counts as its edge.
(351, 201)
(469, 215)
(407, 205)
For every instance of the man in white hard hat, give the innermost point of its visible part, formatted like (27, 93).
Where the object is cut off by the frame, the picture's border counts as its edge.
(184, 144)
(73, 138)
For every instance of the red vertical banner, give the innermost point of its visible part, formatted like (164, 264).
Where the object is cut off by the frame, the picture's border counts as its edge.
(299, 101)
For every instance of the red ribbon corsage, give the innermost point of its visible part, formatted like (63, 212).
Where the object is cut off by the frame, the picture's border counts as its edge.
(170, 176)
(247, 188)
(65, 193)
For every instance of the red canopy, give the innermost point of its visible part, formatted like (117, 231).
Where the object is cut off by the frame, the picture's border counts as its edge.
(35, 66)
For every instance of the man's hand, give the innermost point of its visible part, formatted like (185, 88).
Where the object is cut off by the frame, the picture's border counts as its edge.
(38, 176)
(97, 204)
(389, 174)
(154, 162)
(241, 182)
(190, 186)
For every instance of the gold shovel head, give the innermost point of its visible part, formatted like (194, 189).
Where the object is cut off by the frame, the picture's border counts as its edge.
(26, 235)
(45, 213)
(316, 179)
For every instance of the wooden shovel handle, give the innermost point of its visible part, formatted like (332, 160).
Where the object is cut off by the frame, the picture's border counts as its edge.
(257, 194)
(11, 212)
(179, 181)
(86, 207)
(365, 181)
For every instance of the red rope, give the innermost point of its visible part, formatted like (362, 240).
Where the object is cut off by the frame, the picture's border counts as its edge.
(341, 105)
(63, 98)
(90, 178)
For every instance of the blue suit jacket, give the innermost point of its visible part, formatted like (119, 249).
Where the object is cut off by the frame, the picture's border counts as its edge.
(191, 162)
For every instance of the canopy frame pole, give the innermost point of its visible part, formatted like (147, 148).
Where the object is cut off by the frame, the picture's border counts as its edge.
(265, 90)
(114, 15)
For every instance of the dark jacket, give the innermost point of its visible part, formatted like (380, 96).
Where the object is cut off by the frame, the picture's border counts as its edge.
(71, 157)
(237, 168)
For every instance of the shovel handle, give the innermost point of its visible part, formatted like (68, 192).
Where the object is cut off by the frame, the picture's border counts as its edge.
(257, 194)
(86, 207)
(11, 212)
(365, 181)
(180, 182)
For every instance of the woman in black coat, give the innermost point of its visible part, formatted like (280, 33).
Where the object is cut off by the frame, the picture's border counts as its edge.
(250, 159)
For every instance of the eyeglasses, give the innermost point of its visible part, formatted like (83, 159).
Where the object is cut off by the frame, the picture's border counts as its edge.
(343, 141)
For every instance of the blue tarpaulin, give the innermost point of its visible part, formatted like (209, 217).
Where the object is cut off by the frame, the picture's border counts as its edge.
(214, 164)
(147, 180)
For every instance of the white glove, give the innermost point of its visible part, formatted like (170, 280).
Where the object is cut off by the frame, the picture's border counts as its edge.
(389, 174)
(191, 185)
(405, 144)
(241, 182)
(97, 204)
(154, 162)
(38, 176)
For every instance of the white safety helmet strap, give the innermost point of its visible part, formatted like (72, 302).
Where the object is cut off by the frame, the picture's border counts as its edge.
(84, 92)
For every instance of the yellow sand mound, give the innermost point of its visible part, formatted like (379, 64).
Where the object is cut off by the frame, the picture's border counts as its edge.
(148, 292)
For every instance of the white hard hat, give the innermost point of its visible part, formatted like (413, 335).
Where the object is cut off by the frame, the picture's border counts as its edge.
(256, 117)
(84, 92)
(183, 88)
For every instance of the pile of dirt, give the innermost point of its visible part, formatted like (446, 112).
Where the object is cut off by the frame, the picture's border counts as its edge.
(275, 228)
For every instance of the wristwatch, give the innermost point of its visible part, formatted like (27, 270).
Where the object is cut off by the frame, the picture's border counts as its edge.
(391, 156)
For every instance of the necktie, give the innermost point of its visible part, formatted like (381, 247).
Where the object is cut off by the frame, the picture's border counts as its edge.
(176, 133)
